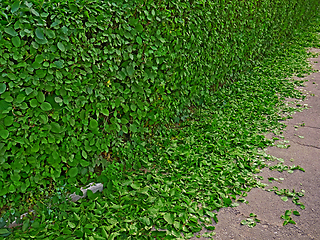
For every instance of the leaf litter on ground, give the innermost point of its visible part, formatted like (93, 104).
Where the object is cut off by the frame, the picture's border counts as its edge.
(288, 216)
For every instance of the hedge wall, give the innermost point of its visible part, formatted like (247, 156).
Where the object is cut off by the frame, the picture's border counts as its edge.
(81, 79)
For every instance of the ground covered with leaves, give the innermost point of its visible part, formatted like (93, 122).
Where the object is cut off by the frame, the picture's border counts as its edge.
(186, 170)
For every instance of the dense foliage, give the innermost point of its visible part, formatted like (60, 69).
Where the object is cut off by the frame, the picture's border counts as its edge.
(204, 164)
(87, 86)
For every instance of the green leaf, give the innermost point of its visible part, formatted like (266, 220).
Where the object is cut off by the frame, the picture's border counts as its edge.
(58, 100)
(76, 216)
(39, 58)
(34, 45)
(177, 225)
(84, 154)
(64, 29)
(4, 231)
(20, 98)
(8, 99)
(59, 64)
(33, 103)
(3, 87)
(235, 204)
(104, 234)
(11, 31)
(288, 212)
(73, 8)
(105, 112)
(41, 41)
(55, 127)
(227, 201)
(139, 28)
(34, 12)
(133, 127)
(61, 46)
(41, 97)
(35, 224)
(15, 6)
(292, 222)
(45, 106)
(124, 120)
(133, 107)
(84, 163)
(16, 41)
(169, 218)
(71, 224)
(15, 177)
(297, 168)
(125, 108)
(28, 90)
(135, 186)
(139, 40)
(8, 121)
(93, 124)
(44, 14)
(124, 129)
(41, 73)
(4, 134)
(133, 21)
(210, 228)
(73, 172)
(284, 199)
(130, 70)
(88, 225)
(244, 222)
(3, 191)
(12, 76)
(35, 148)
(50, 33)
(39, 33)
(296, 213)
(55, 23)
(58, 73)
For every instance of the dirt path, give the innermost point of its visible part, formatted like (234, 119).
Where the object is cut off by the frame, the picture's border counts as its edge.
(268, 206)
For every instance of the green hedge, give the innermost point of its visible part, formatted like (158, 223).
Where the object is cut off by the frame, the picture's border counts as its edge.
(80, 79)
